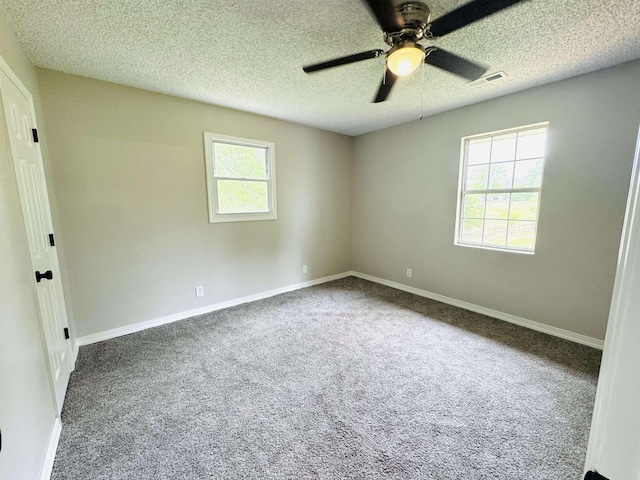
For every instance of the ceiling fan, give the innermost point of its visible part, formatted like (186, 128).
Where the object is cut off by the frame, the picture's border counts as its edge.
(408, 23)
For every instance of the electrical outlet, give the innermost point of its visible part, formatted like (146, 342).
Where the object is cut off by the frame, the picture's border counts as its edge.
(409, 273)
(200, 291)
(304, 269)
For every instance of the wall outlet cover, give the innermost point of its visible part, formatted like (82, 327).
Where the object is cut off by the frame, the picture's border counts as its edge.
(200, 291)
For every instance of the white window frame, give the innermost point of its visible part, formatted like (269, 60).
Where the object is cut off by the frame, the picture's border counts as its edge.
(212, 184)
(461, 190)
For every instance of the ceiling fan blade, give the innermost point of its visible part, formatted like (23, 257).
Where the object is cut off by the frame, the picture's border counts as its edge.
(385, 87)
(467, 14)
(386, 15)
(336, 62)
(455, 64)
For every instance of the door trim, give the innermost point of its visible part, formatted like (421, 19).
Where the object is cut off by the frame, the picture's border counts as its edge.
(47, 465)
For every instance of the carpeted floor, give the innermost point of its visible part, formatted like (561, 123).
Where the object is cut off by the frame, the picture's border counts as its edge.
(346, 380)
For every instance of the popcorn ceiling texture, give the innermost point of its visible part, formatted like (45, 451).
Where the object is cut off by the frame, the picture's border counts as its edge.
(248, 54)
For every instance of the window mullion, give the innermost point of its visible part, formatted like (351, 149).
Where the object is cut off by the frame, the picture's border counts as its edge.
(508, 220)
(239, 179)
(503, 190)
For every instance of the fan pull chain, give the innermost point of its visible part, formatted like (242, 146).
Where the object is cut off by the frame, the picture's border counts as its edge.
(422, 93)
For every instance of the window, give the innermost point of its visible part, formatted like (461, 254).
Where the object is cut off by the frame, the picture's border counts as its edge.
(500, 188)
(240, 179)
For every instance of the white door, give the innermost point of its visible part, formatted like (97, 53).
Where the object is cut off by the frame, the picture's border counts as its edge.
(37, 218)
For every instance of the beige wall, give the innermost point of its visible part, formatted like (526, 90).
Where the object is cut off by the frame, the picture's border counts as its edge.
(405, 188)
(27, 412)
(129, 169)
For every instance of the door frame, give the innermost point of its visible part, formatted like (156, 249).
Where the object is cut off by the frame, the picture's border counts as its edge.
(621, 337)
(73, 348)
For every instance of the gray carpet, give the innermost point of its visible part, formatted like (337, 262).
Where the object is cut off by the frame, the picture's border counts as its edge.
(348, 379)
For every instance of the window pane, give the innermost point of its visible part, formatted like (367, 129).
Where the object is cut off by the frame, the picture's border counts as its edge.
(237, 161)
(524, 206)
(498, 206)
(477, 177)
(501, 199)
(522, 234)
(472, 231)
(236, 196)
(503, 148)
(528, 173)
(501, 175)
(495, 232)
(474, 206)
(479, 151)
(531, 144)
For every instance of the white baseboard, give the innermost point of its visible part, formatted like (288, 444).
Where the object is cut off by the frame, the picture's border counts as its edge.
(523, 322)
(507, 317)
(136, 327)
(47, 466)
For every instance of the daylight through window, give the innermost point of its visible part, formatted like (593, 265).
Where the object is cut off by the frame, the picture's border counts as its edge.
(240, 179)
(500, 188)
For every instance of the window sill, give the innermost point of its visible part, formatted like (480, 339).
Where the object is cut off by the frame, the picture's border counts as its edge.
(495, 249)
(242, 217)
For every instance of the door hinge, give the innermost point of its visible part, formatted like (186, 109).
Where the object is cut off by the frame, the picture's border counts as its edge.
(48, 275)
(66, 333)
(52, 241)
(35, 135)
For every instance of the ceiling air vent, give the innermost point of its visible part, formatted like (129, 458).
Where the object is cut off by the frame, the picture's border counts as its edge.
(492, 77)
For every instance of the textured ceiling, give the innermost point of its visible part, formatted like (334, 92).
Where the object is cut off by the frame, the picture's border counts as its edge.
(248, 54)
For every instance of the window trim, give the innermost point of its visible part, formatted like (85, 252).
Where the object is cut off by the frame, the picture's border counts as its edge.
(212, 186)
(461, 191)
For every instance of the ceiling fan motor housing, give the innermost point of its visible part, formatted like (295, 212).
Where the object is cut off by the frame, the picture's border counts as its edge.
(415, 14)
(415, 17)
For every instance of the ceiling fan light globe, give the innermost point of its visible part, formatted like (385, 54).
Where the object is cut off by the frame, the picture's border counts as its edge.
(405, 67)
(405, 60)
